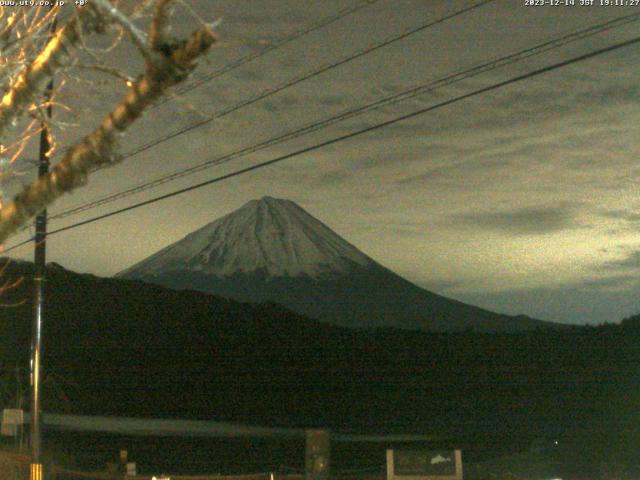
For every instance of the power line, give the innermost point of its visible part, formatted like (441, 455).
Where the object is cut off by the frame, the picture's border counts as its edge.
(18, 245)
(279, 44)
(314, 73)
(341, 138)
(267, 93)
(389, 100)
(253, 56)
(288, 84)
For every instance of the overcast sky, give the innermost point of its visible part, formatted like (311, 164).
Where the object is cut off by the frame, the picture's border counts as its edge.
(521, 200)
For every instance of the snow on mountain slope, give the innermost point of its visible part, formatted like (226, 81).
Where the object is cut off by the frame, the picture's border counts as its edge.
(270, 236)
(271, 250)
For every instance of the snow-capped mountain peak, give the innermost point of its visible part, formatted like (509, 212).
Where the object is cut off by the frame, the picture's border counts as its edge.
(271, 250)
(270, 236)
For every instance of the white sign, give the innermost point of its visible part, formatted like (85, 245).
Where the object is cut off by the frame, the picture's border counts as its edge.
(11, 419)
(424, 465)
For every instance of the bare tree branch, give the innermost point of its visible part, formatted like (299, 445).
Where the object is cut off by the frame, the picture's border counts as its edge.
(158, 29)
(33, 78)
(138, 37)
(174, 64)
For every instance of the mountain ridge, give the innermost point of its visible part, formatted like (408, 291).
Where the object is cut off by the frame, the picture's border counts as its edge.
(273, 250)
(276, 246)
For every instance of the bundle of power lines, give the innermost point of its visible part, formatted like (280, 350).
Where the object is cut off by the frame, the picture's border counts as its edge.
(347, 114)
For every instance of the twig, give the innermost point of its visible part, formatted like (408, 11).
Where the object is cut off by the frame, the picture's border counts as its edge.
(34, 77)
(138, 37)
(98, 148)
(159, 24)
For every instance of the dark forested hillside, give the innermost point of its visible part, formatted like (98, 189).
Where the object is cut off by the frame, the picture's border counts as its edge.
(119, 347)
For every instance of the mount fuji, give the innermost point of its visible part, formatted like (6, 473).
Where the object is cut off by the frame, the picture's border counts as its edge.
(271, 250)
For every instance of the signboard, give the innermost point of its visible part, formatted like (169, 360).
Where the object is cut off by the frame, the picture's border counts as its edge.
(12, 418)
(317, 447)
(424, 465)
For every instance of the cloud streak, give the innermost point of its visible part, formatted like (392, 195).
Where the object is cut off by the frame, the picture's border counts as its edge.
(522, 221)
(630, 262)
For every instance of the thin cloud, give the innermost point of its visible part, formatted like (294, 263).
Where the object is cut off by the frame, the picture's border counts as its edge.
(630, 262)
(625, 215)
(608, 299)
(522, 221)
(455, 171)
(612, 282)
(280, 103)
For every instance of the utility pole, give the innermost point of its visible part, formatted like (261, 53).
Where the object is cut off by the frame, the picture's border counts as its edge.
(38, 301)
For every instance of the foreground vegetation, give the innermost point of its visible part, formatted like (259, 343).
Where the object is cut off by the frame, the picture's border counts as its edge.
(131, 349)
